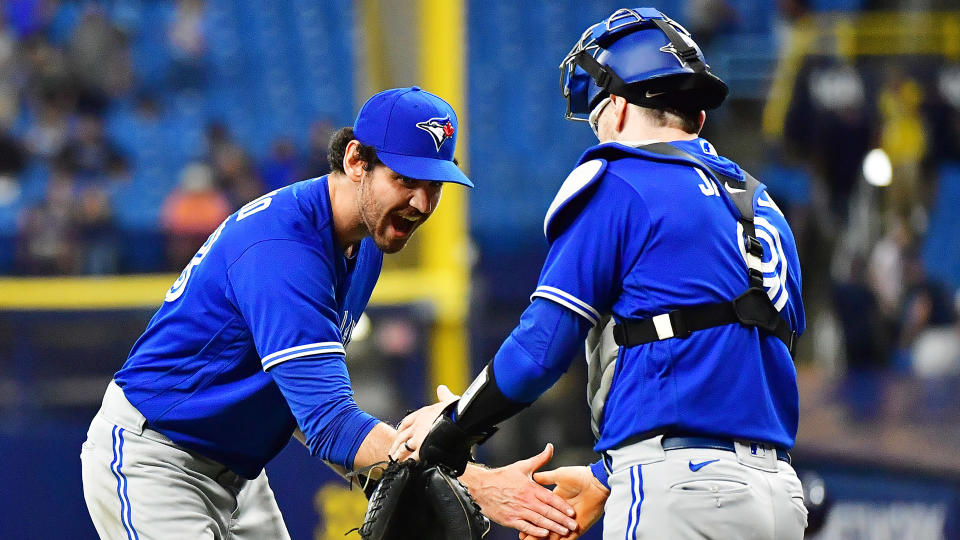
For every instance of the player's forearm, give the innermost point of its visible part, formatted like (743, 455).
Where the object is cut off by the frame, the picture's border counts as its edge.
(375, 446)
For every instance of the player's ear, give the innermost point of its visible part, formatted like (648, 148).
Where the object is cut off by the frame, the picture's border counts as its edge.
(619, 105)
(703, 119)
(352, 163)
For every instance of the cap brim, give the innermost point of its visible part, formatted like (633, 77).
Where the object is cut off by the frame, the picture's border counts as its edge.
(423, 168)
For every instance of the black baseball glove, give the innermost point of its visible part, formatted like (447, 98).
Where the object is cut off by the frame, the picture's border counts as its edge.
(414, 501)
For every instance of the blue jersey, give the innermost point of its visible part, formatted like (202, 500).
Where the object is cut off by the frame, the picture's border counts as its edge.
(269, 290)
(636, 238)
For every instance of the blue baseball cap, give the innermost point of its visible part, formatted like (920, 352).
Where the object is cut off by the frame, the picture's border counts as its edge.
(414, 133)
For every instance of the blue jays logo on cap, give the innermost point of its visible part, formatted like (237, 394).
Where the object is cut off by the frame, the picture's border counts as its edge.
(392, 122)
(440, 129)
(671, 48)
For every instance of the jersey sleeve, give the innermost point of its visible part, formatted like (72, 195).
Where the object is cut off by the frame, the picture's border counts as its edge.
(318, 391)
(539, 350)
(285, 291)
(598, 237)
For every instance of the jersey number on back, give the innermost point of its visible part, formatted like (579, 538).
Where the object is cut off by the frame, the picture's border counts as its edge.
(252, 207)
(774, 264)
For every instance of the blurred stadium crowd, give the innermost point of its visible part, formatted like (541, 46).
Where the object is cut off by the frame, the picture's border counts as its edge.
(869, 165)
(116, 150)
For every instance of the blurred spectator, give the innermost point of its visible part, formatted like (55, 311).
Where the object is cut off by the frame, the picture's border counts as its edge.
(829, 121)
(903, 138)
(89, 153)
(707, 18)
(46, 72)
(281, 167)
(148, 110)
(886, 270)
(46, 243)
(235, 175)
(233, 169)
(316, 163)
(188, 44)
(96, 233)
(191, 212)
(218, 139)
(931, 339)
(98, 54)
(12, 162)
(12, 155)
(47, 137)
(927, 303)
(791, 10)
(863, 340)
(942, 116)
(118, 173)
(936, 361)
(8, 66)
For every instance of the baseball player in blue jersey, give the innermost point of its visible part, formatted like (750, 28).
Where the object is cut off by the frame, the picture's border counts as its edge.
(682, 274)
(248, 347)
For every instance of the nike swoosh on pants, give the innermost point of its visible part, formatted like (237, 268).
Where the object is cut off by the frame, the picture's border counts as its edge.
(697, 466)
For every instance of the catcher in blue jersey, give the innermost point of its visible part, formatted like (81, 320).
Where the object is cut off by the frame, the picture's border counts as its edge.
(248, 347)
(681, 274)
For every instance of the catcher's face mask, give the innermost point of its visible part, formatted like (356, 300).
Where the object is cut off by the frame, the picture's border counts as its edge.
(642, 55)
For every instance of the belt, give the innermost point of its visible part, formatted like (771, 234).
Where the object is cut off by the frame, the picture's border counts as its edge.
(676, 443)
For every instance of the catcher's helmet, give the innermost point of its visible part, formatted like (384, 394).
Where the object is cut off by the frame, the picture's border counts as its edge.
(643, 56)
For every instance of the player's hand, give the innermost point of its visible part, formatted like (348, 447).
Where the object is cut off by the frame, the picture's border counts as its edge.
(578, 487)
(509, 496)
(415, 426)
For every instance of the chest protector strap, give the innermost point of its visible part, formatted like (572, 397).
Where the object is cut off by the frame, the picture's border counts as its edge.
(752, 308)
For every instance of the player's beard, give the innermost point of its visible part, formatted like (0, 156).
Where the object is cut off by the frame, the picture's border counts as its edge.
(383, 224)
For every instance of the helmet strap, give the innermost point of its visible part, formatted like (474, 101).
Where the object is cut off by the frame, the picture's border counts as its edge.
(608, 79)
(688, 54)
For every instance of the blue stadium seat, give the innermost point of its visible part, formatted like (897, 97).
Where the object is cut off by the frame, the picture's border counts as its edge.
(941, 251)
(33, 182)
(513, 86)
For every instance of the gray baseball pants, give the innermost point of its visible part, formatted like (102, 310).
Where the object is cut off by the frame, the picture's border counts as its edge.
(139, 485)
(698, 493)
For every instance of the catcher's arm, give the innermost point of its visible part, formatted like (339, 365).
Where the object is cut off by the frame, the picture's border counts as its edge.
(507, 495)
(579, 487)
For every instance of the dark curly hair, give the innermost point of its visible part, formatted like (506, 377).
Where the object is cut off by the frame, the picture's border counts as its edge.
(338, 147)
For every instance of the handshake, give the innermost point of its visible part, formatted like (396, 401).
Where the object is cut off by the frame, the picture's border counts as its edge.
(430, 490)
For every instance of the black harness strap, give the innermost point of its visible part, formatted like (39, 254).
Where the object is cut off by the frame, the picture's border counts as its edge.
(686, 52)
(752, 308)
(608, 79)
